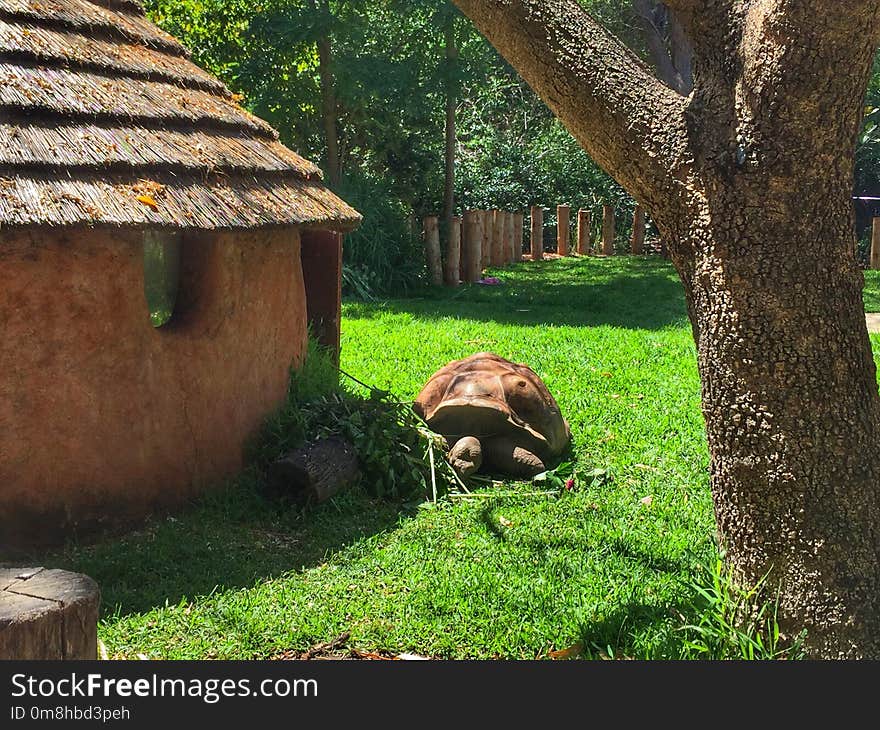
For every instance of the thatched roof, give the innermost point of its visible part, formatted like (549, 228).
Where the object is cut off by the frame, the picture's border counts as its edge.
(104, 120)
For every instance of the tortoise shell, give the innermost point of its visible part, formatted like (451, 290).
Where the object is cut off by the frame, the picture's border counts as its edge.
(485, 395)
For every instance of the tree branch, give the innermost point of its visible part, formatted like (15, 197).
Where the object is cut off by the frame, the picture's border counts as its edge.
(629, 122)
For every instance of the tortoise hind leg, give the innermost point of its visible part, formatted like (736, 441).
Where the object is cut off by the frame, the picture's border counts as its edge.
(466, 456)
(506, 456)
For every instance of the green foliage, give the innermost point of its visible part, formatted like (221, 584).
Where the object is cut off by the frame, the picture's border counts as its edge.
(399, 456)
(736, 622)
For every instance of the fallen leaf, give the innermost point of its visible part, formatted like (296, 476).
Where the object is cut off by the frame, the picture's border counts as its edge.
(148, 200)
(504, 522)
(606, 375)
(647, 500)
(575, 650)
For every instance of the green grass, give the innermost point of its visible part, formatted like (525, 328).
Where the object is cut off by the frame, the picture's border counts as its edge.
(871, 292)
(512, 575)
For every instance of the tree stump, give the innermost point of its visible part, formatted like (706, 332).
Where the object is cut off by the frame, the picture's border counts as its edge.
(48, 614)
(315, 472)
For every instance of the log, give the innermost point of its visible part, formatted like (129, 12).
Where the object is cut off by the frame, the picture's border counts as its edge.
(453, 253)
(518, 221)
(486, 223)
(48, 614)
(637, 242)
(608, 230)
(583, 232)
(537, 233)
(315, 472)
(562, 229)
(509, 244)
(498, 238)
(432, 250)
(875, 244)
(471, 246)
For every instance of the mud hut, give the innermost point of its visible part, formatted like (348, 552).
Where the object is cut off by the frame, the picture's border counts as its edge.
(161, 256)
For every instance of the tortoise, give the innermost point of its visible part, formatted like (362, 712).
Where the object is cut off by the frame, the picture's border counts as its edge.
(495, 414)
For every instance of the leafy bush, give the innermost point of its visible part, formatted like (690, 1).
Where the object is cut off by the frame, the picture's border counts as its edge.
(400, 457)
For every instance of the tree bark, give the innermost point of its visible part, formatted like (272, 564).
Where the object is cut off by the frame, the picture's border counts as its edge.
(451, 52)
(749, 180)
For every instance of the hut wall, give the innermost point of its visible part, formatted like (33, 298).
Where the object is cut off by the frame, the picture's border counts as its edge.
(104, 418)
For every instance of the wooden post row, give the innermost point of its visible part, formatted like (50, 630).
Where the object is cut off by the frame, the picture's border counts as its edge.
(453, 253)
(583, 232)
(608, 230)
(432, 250)
(537, 233)
(562, 229)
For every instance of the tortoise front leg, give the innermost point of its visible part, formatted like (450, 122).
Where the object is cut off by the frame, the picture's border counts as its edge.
(466, 456)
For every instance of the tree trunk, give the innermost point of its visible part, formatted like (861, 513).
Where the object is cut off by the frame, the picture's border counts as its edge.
(328, 100)
(451, 51)
(790, 402)
(749, 182)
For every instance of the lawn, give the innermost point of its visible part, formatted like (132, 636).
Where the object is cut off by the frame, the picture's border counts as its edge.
(510, 572)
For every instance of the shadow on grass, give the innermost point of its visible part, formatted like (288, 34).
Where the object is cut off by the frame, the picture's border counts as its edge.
(628, 292)
(231, 539)
(611, 636)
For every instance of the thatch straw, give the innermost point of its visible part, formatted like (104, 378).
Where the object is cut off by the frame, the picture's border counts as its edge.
(176, 201)
(85, 16)
(106, 122)
(31, 43)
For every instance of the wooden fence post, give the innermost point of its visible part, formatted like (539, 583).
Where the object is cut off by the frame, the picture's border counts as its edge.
(875, 244)
(497, 238)
(518, 219)
(453, 252)
(583, 232)
(562, 229)
(537, 233)
(638, 232)
(471, 246)
(608, 230)
(509, 257)
(486, 227)
(432, 250)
